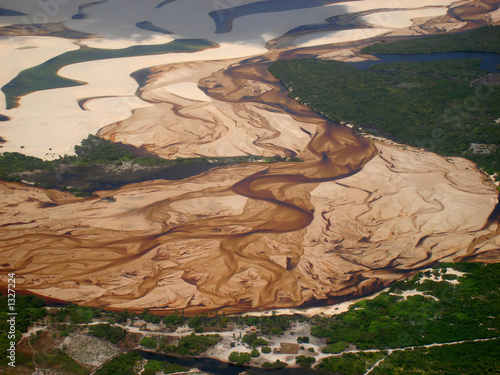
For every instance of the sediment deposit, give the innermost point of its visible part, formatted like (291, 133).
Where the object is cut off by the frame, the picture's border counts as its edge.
(351, 218)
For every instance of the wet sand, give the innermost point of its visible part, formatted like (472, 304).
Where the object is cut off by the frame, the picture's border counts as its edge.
(355, 216)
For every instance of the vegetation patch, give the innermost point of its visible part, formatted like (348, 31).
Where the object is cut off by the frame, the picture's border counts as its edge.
(484, 39)
(123, 364)
(240, 359)
(350, 363)
(56, 360)
(192, 345)
(304, 361)
(102, 165)
(450, 312)
(29, 309)
(148, 342)
(110, 333)
(252, 340)
(472, 358)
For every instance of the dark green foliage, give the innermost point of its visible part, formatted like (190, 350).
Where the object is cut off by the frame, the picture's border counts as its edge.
(29, 309)
(150, 318)
(336, 347)
(233, 357)
(152, 366)
(92, 150)
(192, 344)
(484, 39)
(148, 342)
(255, 353)
(56, 360)
(424, 104)
(95, 150)
(121, 317)
(252, 340)
(170, 368)
(468, 310)
(113, 334)
(304, 361)
(80, 314)
(11, 162)
(267, 325)
(173, 320)
(266, 350)
(350, 363)
(240, 359)
(474, 358)
(303, 340)
(80, 171)
(120, 365)
(460, 70)
(195, 321)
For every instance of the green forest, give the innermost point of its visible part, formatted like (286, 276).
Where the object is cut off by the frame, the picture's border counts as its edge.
(445, 312)
(483, 39)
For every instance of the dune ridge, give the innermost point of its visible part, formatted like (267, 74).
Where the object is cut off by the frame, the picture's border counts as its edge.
(354, 216)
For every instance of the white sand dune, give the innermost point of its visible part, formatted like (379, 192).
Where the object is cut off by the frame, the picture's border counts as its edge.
(228, 237)
(52, 118)
(188, 90)
(49, 123)
(23, 52)
(115, 23)
(328, 37)
(400, 19)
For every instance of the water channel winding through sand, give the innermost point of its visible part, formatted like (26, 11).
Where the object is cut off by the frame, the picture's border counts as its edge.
(337, 153)
(349, 220)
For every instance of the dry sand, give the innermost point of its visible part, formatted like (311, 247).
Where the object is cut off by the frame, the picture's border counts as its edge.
(244, 237)
(171, 244)
(49, 123)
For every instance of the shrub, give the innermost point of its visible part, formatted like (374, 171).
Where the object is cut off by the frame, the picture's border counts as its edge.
(303, 340)
(304, 361)
(240, 358)
(148, 342)
(108, 332)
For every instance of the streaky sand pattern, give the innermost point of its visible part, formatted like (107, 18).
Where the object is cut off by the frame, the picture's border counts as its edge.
(356, 215)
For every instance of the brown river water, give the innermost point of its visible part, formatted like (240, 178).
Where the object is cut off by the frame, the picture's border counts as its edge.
(150, 250)
(85, 255)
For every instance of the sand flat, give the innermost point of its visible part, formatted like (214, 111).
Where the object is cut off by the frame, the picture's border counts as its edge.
(24, 52)
(243, 237)
(110, 78)
(361, 225)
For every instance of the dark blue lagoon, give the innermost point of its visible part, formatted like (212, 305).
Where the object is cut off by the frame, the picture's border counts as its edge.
(216, 367)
